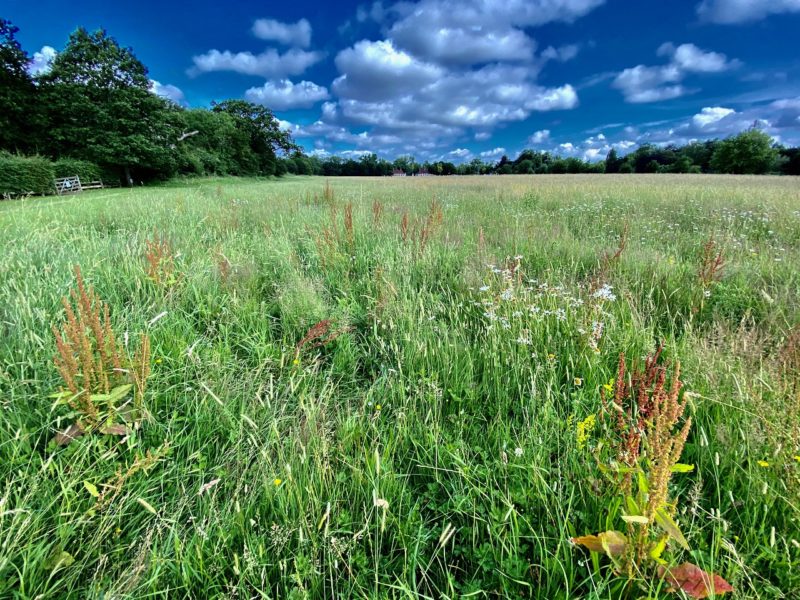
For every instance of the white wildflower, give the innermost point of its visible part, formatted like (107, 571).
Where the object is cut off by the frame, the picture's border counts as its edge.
(605, 293)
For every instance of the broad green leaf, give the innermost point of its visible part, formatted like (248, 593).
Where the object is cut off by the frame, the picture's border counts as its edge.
(671, 527)
(641, 478)
(59, 560)
(91, 488)
(657, 549)
(682, 468)
(632, 506)
(639, 519)
(119, 392)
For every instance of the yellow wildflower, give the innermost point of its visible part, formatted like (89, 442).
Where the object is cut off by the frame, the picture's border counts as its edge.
(296, 361)
(583, 431)
(763, 463)
(578, 381)
(377, 407)
(609, 387)
(277, 481)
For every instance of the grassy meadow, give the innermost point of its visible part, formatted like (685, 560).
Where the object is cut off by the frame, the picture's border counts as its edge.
(451, 422)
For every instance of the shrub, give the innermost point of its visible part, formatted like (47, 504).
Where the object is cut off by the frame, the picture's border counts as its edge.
(70, 167)
(21, 175)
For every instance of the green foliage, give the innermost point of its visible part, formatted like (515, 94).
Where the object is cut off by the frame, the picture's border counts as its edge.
(25, 175)
(18, 114)
(262, 133)
(750, 153)
(443, 443)
(69, 167)
(101, 109)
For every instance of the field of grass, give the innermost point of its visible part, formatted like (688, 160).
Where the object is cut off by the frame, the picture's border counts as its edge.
(445, 433)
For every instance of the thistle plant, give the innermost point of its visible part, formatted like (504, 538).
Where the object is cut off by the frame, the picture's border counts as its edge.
(97, 373)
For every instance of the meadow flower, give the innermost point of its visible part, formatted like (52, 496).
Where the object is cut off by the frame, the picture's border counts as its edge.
(605, 293)
(578, 381)
(518, 452)
(277, 481)
(763, 463)
(484, 288)
(583, 431)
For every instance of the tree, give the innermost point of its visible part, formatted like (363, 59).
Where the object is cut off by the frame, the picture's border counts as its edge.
(700, 153)
(215, 148)
(100, 108)
(263, 132)
(17, 93)
(751, 152)
(406, 163)
(613, 162)
(790, 165)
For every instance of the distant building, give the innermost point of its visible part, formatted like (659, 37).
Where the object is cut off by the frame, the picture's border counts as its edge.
(423, 172)
(398, 173)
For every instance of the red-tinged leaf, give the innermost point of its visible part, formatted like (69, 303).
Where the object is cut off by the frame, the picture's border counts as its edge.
(115, 430)
(73, 432)
(611, 543)
(694, 581)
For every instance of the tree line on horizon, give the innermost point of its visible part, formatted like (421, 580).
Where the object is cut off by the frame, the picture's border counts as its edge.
(93, 112)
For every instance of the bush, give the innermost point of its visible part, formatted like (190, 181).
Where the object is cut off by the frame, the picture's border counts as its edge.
(70, 167)
(86, 170)
(21, 175)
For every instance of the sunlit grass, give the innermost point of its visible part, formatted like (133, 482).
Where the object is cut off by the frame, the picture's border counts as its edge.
(431, 447)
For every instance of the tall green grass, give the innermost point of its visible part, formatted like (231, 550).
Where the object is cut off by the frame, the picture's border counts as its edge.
(430, 450)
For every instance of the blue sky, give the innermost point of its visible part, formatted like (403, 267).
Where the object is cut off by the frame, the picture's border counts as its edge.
(458, 79)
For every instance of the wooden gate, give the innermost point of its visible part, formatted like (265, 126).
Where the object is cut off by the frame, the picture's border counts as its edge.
(68, 185)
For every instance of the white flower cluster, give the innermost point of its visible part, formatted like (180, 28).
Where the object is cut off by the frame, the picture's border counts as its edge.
(604, 293)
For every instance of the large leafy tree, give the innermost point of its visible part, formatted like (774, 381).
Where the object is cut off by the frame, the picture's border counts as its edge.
(263, 134)
(751, 152)
(17, 93)
(101, 109)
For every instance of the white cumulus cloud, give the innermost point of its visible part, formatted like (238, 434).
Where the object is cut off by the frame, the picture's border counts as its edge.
(269, 63)
(377, 70)
(291, 34)
(493, 153)
(728, 12)
(42, 61)
(711, 114)
(283, 94)
(167, 91)
(643, 83)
